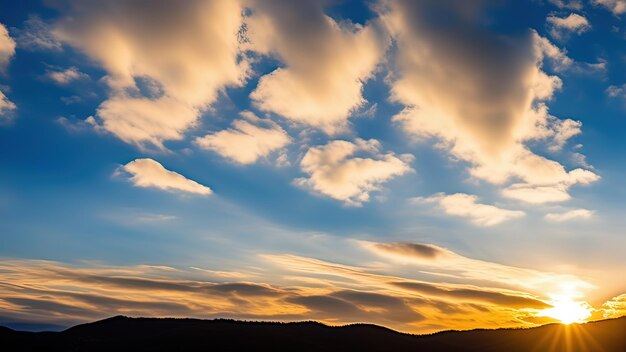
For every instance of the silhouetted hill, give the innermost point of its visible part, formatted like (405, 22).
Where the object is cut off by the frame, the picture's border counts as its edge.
(149, 334)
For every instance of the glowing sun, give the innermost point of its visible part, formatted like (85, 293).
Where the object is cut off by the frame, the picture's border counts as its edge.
(568, 311)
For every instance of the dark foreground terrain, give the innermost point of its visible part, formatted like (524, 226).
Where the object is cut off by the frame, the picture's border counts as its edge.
(146, 334)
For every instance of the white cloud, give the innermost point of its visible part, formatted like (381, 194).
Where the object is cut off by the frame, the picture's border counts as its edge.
(37, 35)
(614, 91)
(551, 187)
(568, 4)
(325, 62)
(6, 106)
(7, 48)
(484, 103)
(466, 205)
(150, 174)
(561, 26)
(248, 140)
(334, 171)
(185, 54)
(66, 76)
(563, 131)
(570, 215)
(618, 7)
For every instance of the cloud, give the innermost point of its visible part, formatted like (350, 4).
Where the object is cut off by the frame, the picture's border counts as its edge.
(79, 126)
(449, 305)
(150, 174)
(615, 307)
(359, 306)
(568, 4)
(7, 48)
(484, 103)
(64, 294)
(6, 106)
(618, 7)
(563, 131)
(325, 62)
(453, 265)
(474, 294)
(466, 205)
(614, 91)
(562, 26)
(166, 62)
(570, 215)
(37, 35)
(247, 140)
(550, 187)
(63, 77)
(335, 172)
(425, 251)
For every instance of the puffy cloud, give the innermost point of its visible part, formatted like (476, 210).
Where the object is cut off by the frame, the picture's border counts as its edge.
(150, 174)
(570, 215)
(325, 62)
(247, 140)
(466, 205)
(145, 120)
(615, 307)
(614, 91)
(7, 48)
(483, 102)
(66, 76)
(574, 23)
(563, 131)
(618, 7)
(335, 172)
(166, 62)
(551, 186)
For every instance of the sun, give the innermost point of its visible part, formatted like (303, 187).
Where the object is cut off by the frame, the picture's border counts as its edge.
(567, 311)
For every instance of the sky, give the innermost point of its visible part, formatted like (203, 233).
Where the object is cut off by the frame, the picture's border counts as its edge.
(415, 164)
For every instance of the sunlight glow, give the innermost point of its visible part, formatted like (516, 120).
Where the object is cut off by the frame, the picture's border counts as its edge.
(567, 310)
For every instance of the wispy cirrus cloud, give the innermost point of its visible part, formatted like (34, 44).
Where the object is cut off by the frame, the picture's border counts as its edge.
(618, 7)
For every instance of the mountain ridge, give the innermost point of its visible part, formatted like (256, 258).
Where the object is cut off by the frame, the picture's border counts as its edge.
(166, 334)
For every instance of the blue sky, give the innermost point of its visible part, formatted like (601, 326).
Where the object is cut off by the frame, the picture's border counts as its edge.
(337, 132)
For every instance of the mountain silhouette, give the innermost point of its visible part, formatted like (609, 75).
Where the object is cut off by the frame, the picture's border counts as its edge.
(167, 334)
